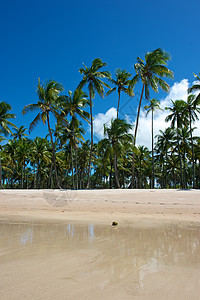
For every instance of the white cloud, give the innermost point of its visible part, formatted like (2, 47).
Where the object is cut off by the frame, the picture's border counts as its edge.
(101, 119)
(178, 91)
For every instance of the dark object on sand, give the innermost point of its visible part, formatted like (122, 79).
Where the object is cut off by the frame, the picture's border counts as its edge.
(114, 223)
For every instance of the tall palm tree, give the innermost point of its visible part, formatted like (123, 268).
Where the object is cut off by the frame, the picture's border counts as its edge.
(19, 133)
(74, 104)
(122, 84)
(117, 139)
(150, 71)
(177, 119)
(154, 105)
(92, 78)
(48, 103)
(192, 108)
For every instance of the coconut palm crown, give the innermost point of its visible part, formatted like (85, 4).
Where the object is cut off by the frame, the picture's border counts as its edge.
(122, 84)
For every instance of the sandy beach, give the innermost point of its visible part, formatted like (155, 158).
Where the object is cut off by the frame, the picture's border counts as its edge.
(102, 206)
(61, 245)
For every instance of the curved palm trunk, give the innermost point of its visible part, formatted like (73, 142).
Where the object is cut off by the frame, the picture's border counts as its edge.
(53, 152)
(118, 103)
(135, 134)
(193, 169)
(152, 144)
(91, 146)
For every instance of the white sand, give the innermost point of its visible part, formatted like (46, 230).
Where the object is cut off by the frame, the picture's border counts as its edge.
(102, 205)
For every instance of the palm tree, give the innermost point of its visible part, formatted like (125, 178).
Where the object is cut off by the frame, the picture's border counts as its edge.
(22, 155)
(83, 159)
(196, 88)
(185, 143)
(154, 104)
(48, 103)
(165, 142)
(5, 116)
(191, 109)
(74, 104)
(177, 119)
(19, 133)
(39, 154)
(122, 84)
(150, 71)
(117, 139)
(143, 156)
(5, 124)
(92, 77)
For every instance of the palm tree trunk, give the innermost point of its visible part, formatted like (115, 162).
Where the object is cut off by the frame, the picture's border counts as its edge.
(116, 171)
(193, 169)
(110, 173)
(91, 146)
(118, 104)
(53, 152)
(1, 186)
(140, 175)
(184, 168)
(72, 167)
(75, 158)
(34, 184)
(179, 154)
(165, 175)
(152, 145)
(22, 183)
(134, 140)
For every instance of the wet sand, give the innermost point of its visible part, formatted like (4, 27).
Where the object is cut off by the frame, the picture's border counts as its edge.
(61, 245)
(60, 260)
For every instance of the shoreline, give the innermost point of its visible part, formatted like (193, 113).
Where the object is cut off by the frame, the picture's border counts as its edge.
(101, 206)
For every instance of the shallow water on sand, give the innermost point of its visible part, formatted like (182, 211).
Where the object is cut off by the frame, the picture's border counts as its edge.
(73, 261)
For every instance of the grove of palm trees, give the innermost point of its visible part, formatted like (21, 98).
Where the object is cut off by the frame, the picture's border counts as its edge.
(65, 159)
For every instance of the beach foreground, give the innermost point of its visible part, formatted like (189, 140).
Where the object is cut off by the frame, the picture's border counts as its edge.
(61, 245)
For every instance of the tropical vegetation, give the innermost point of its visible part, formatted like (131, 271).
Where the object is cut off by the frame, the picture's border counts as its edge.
(65, 159)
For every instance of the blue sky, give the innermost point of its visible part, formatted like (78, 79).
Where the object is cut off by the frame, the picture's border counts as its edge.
(51, 39)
